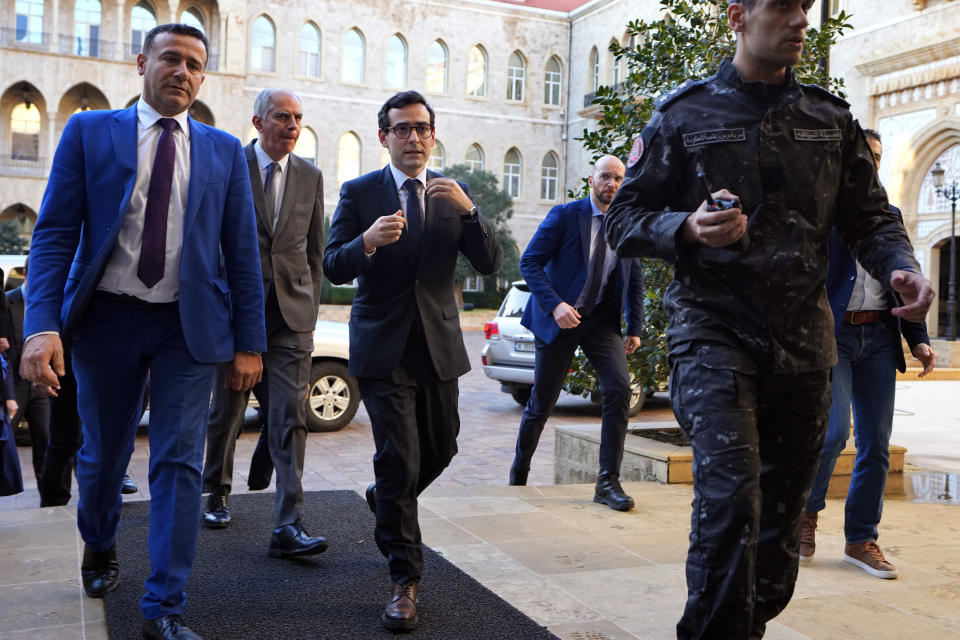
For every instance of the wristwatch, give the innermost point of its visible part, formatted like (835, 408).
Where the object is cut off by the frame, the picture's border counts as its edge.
(472, 213)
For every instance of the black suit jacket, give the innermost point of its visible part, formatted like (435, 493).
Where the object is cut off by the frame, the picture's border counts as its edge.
(398, 280)
(13, 319)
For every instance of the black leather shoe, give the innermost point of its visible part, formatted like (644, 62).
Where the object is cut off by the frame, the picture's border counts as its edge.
(372, 496)
(518, 477)
(292, 540)
(100, 571)
(217, 513)
(609, 492)
(401, 612)
(168, 628)
(128, 486)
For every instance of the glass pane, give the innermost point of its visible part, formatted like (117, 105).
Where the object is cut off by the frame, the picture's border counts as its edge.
(142, 19)
(437, 156)
(353, 57)
(29, 21)
(193, 18)
(437, 68)
(307, 145)
(310, 50)
(86, 20)
(477, 72)
(348, 158)
(511, 173)
(264, 41)
(395, 74)
(474, 158)
(515, 77)
(552, 82)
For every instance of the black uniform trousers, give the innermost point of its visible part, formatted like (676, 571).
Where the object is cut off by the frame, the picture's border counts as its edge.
(598, 334)
(756, 439)
(415, 423)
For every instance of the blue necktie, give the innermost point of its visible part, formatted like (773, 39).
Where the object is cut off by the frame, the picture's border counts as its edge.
(414, 214)
(154, 243)
(597, 259)
(270, 193)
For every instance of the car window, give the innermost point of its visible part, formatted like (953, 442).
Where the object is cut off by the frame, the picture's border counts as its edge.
(514, 304)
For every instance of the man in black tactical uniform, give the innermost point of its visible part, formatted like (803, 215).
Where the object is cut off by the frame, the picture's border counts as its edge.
(751, 336)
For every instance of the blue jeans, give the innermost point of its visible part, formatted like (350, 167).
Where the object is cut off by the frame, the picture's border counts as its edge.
(865, 375)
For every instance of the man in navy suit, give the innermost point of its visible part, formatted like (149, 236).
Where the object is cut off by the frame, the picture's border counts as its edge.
(398, 231)
(579, 290)
(869, 354)
(145, 253)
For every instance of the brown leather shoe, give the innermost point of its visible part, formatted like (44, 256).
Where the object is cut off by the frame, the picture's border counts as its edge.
(401, 611)
(808, 537)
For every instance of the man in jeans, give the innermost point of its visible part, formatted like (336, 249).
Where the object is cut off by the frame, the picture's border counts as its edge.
(869, 353)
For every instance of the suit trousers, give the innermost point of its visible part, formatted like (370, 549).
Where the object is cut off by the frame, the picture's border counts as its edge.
(227, 411)
(58, 461)
(35, 407)
(115, 344)
(415, 423)
(756, 439)
(599, 336)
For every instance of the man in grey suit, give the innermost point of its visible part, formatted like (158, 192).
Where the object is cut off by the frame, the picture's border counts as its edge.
(288, 196)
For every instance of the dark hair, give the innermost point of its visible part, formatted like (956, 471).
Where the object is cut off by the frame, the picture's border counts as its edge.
(26, 261)
(874, 134)
(748, 4)
(398, 101)
(178, 29)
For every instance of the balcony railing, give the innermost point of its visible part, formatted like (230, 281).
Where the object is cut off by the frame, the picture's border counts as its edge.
(24, 39)
(87, 47)
(15, 164)
(590, 97)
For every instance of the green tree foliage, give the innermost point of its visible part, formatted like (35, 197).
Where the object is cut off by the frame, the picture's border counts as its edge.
(689, 41)
(11, 242)
(497, 207)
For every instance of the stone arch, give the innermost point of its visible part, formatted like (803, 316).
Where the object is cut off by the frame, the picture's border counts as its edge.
(82, 96)
(23, 216)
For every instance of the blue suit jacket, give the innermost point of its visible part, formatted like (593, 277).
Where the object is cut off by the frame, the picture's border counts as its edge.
(91, 181)
(840, 280)
(554, 265)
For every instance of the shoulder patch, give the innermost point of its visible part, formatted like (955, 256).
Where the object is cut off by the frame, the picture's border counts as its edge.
(820, 92)
(636, 152)
(671, 96)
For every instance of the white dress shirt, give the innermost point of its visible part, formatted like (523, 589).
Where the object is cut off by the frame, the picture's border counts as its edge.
(279, 181)
(399, 177)
(868, 293)
(120, 275)
(610, 258)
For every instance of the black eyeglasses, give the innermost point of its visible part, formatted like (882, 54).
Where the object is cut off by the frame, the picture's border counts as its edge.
(403, 130)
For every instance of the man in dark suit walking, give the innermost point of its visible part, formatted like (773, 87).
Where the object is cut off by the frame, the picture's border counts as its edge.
(34, 404)
(398, 232)
(145, 253)
(579, 291)
(288, 197)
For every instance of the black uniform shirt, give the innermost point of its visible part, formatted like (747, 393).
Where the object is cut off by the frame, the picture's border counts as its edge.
(800, 164)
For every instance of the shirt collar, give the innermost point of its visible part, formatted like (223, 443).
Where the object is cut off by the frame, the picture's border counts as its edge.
(148, 117)
(399, 177)
(263, 159)
(595, 211)
(729, 75)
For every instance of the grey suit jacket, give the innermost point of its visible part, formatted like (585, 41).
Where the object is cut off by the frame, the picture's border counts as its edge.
(291, 255)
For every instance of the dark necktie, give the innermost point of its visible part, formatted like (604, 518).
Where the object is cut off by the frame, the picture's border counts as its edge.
(597, 260)
(270, 192)
(154, 244)
(414, 214)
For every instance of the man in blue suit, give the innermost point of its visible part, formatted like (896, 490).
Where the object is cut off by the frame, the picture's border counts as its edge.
(145, 254)
(869, 354)
(579, 290)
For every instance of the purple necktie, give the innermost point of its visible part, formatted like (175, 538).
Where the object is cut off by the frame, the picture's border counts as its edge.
(153, 249)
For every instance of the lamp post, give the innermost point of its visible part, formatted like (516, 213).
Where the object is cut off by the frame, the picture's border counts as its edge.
(951, 193)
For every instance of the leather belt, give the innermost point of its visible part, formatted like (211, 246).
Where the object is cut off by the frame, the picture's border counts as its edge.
(862, 317)
(133, 301)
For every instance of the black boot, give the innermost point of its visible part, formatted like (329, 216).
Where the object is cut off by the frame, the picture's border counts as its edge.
(609, 492)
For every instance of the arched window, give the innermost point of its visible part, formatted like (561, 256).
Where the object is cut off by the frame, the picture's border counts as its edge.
(614, 70)
(395, 72)
(193, 17)
(474, 157)
(516, 76)
(142, 19)
(477, 72)
(309, 48)
(264, 45)
(594, 69)
(548, 176)
(348, 157)
(307, 145)
(25, 126)
(29, 21)
(87, 16)
(437, 67)
(353, 54)
(512, 169)
(552, 82)
(437, 157)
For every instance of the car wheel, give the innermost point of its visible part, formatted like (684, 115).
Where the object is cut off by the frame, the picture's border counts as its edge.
(333, 397)
(637, 398)
(521, 395)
